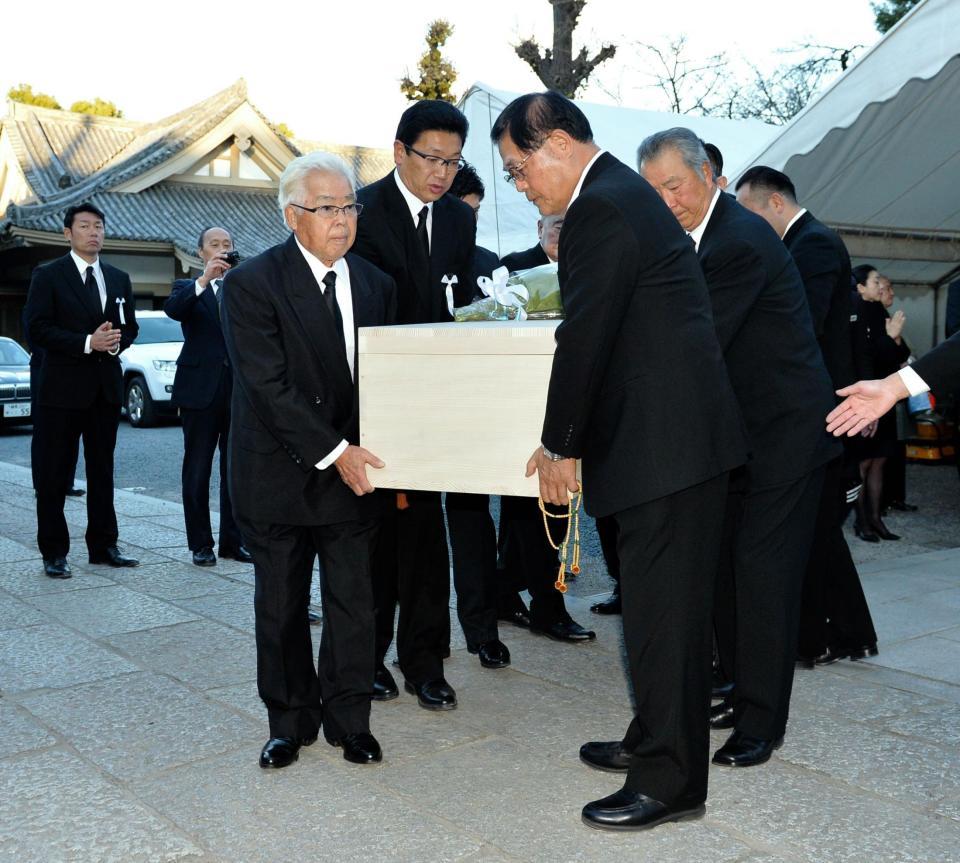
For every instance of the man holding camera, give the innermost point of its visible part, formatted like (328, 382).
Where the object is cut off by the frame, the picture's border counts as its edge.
(202, 390)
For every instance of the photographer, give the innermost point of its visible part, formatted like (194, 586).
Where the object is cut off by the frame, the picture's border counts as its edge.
(202, 390)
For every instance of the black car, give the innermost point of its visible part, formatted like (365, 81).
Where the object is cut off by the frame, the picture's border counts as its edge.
(14, 383)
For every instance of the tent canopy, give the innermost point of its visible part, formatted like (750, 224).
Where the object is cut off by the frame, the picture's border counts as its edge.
(877, 156)
(508, 222)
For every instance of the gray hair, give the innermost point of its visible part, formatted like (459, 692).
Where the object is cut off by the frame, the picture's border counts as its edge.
(684, 141)
(294, 176)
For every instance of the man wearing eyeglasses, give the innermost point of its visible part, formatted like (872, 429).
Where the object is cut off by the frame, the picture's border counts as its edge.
(418, 233)
(298, 479)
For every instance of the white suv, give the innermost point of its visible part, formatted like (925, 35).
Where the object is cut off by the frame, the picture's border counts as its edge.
(149, 365)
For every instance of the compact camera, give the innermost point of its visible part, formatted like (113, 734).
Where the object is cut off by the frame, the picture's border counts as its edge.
(232, 258)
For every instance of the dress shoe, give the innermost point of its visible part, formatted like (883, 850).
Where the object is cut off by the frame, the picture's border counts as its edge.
(520, 617)
(204, 557)
(631, 810)
(57, 567)
(742, 750)
(902, 506)
(721, 689)
(828, 657)
(433, 695)
(283, 751)
(111, 556)
(564, 630)
(865, 534)
(384, 686)
(864, 651)
(610, 605)
(610, 756)
(493, 654)
(79, 492)
(721, 715)
(880, 529)
(239, 553)
(313, 618)
(361, 747)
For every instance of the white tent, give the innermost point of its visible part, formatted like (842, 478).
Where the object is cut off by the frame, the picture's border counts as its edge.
(508, 222)
(877, 156)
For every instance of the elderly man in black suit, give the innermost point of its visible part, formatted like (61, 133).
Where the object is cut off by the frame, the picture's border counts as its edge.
(202, 389)
(424, 237)
(835, 620)
(636, 354)
(763, 322)
(546, 249)
(80, 312)
(297, 475)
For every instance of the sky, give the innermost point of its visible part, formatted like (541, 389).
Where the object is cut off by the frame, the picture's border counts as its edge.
(331, 71)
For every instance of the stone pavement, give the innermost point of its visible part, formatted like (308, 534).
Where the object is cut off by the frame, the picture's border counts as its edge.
(131, 728)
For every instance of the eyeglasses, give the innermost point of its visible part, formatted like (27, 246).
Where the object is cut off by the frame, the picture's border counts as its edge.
(436, 162)
(328, 211)
(511, 175)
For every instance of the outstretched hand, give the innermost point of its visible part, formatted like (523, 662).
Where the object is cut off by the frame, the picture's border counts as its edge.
(352, 467)
(865, 402)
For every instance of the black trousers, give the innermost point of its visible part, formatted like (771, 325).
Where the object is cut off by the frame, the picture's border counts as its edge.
(336, 695)
(204, 431)
(411, 568)
(55, 455)
(527, 561)
(473, 547)
(35, 380)
(607, 533)
(834, 611)
(767, 537)
(668, 550)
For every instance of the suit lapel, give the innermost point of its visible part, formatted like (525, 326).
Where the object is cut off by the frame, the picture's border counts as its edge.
(795, 228)
(209, 300)
(305, 297)
(90, 302)
(715, 218)
(401, 223)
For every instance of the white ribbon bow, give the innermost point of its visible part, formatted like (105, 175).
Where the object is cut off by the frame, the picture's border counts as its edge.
(510, 296)
(120, 302)
(449, 281)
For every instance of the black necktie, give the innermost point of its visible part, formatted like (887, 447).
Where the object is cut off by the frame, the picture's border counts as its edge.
(217, 289)
(330, 298)
(422, 231)
(91, 285)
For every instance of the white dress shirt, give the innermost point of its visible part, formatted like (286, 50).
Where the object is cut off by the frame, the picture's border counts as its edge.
(213, 283)
(792, 222)
(697, 233)
(82, 265)
(583, 176)
(416, 205)
(915, 384)
(345, 303)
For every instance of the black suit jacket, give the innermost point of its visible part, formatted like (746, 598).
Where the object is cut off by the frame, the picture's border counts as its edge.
(638, 388)
(61, 312)
(940, 368)
(200, 363)
(824, 266)
(532, 257)
(387, 237)
(763, 322)
(293, 398)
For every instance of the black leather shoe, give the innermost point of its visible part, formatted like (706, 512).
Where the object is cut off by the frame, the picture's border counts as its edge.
(360, 747)
(606, 756)
(863, 651)
(865, 534)
(610, 605)
(434, 694)
(384, 686)
(631, 810)
(494, 654)
(283, 751)
(881, 531)
(721, 688)
(57, 567)
(721, 715)
(204, 557)
(313, 618)
(741, 750)
(902, 506)
(239, 553)
(79, 492)
(520, 617)
(112, 557)
(828, 657)
(564, 630)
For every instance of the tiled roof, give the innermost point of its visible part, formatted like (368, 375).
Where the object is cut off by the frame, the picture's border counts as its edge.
(368, 163)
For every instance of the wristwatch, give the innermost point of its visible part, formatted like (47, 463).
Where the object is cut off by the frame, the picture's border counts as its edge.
(552, 455)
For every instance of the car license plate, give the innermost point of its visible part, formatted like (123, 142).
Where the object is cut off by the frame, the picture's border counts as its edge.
(17, 409)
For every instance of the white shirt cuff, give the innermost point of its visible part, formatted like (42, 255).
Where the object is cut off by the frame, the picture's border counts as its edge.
(86, 346)
(913, 382)
(324, 463)
(198, 287)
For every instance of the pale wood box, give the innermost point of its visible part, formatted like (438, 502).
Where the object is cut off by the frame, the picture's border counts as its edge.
(457, 406)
